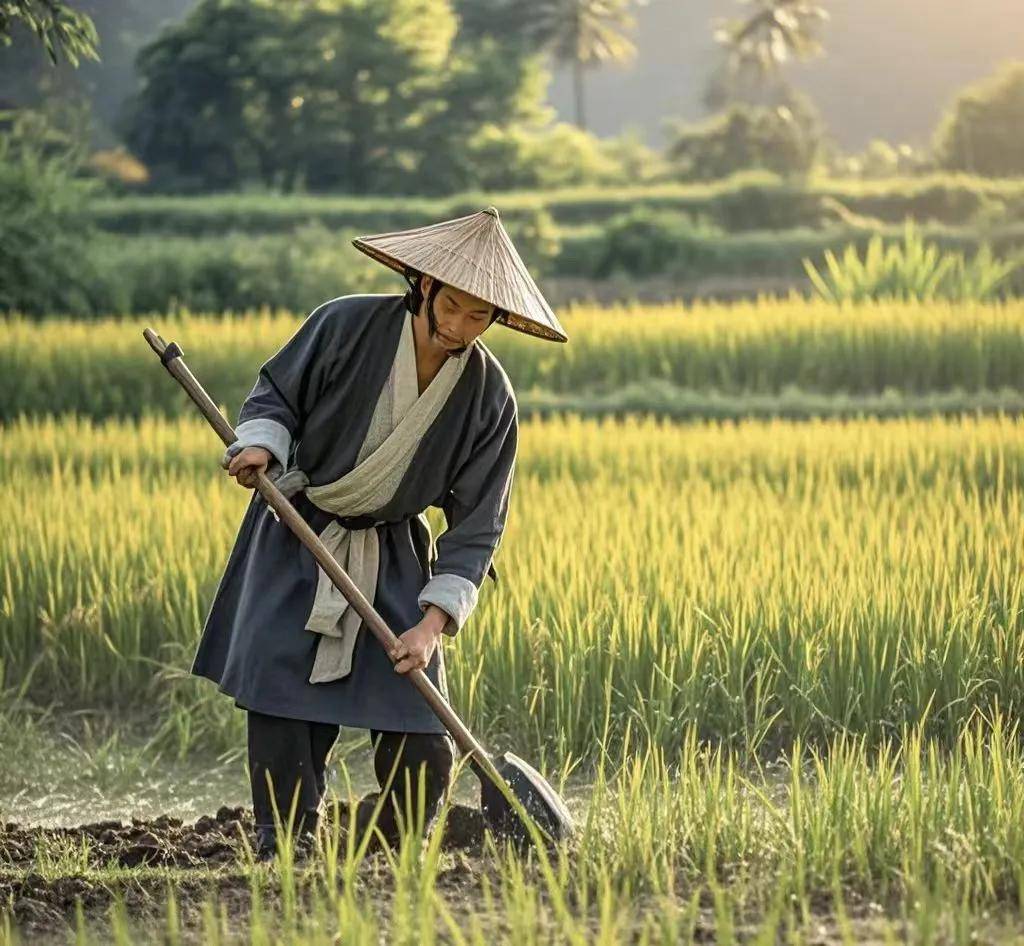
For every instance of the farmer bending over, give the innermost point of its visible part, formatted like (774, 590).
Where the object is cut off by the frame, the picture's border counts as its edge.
(377, 407)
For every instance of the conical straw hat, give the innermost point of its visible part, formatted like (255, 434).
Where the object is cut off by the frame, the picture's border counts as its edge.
(476, 255)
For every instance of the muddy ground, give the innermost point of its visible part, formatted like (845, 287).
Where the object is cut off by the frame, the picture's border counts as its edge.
(40, 891)
(43, 871)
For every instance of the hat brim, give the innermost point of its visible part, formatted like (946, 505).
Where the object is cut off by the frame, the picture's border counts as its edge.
(457, 269)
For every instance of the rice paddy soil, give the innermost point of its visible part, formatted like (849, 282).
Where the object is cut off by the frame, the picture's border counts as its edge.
(206, 860)
(202, 858)
(137, 862)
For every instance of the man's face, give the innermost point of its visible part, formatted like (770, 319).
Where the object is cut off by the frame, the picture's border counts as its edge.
(460, 317)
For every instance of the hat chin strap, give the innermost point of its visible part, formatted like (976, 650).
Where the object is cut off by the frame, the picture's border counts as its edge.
(435, 287)
(413, 297)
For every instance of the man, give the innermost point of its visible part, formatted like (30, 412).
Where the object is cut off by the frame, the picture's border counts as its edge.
(376, 408)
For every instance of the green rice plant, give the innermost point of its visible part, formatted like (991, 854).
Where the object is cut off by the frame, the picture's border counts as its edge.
(681, 846)
(764, 580)
(911, 271)
(618, 356)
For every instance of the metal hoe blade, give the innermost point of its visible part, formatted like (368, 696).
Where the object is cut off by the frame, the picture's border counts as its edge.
(540, 801)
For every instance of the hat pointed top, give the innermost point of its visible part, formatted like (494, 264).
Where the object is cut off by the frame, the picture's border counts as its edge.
(475, 254)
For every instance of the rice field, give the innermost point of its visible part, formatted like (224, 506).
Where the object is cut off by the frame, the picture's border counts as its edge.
(765, 580)
(777, 667)
(623, 356)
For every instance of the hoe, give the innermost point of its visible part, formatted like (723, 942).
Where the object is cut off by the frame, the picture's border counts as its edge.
(517, 802)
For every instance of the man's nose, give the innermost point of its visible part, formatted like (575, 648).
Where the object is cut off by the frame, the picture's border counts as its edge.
(456, 327)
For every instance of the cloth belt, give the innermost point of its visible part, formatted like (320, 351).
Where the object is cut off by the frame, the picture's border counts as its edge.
(353, 543)
(359, 522)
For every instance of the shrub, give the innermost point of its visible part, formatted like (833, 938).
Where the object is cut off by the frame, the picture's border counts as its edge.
(47, 261)
(880, 160)
(646, 242)
(749, 200)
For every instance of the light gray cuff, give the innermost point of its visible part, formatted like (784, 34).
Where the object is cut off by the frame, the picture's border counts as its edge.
(453, 594)
(262, 432)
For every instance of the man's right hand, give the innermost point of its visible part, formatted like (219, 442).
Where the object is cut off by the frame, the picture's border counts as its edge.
(247, 464)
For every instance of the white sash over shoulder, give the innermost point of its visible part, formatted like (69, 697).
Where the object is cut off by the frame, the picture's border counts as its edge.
(400, 419)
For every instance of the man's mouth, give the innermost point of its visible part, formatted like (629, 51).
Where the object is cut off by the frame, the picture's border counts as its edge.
(450, 341)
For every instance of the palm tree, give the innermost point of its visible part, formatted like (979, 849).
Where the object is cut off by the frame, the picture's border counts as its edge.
(583, 33)
(758, 45)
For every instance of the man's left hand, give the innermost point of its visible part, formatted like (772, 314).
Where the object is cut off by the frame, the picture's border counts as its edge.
(416, 646)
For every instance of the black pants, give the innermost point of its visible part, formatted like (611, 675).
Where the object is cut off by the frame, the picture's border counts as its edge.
(294, 752)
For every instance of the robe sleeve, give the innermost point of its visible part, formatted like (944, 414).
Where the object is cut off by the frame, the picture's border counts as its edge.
(476, 510)
(286, 389)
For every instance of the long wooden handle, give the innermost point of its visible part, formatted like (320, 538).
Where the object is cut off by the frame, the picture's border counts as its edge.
(171, 356)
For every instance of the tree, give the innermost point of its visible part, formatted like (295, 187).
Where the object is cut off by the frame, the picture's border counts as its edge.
(583, 33)
(744, 137)
(981, 132)
(59, 27)
(199, 118)
(758, 45)
(480, 89)
(507, 21)
(28, 80)
(326, 94)
(315, 93)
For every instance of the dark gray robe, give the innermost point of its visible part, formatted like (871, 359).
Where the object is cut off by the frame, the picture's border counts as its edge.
(322, 387)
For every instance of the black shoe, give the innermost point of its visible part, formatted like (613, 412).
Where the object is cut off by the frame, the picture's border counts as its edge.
(265, 848)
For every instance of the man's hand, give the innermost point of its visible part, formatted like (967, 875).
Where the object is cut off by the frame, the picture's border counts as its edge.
(416, 646)
(247, 464)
